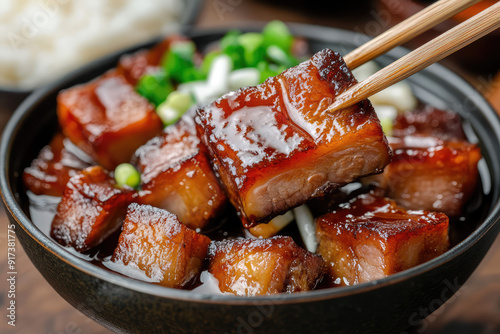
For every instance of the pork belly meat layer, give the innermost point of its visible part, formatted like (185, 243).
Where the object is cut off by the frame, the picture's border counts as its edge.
(176, 175)
(92, 208)
(428, 173)
(52, 169)
(250, 267)
(274, 146)
(107, 119)
(370, 237)
(154, 241)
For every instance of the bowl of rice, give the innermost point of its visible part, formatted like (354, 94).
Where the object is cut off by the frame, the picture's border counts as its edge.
(42, 40)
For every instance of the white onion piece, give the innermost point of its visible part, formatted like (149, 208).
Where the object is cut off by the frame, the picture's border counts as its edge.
(209, 286)
(244, 77)
(307, 228)
(399, 95)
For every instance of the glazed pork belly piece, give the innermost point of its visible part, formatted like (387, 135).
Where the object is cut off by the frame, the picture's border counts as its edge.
(250, 267)
(107, 119)
(274, 146)
(427, 173)
(52, 168)
(134, 66)
(154, 241)
(429, 121)
(370, 237)
(91, 209)
(176, 175)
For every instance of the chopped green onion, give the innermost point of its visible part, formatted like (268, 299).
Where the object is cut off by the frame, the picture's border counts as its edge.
(126, 174)
(231, 46)
(179, 101)
(176, 104)
(280, 57)
(277, 33)
(155, 87)
(269, 70)
(253, 48)
(178, 62)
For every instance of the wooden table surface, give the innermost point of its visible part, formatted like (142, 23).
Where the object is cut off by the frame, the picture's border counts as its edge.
(41, 310)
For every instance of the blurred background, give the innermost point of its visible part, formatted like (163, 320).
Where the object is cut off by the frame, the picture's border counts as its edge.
(41, 40)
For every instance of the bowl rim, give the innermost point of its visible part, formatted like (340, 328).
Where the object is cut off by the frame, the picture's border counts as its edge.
(338, 36)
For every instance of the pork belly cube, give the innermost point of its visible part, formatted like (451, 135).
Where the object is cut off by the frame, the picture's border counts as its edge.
(250, 267)
(370, 237)
(275, 146)
(52, 168)
(91, 209)
(427, 173)
(177, 176)
(134, 66)
(154, 241)
(107, 119)
(429, 121)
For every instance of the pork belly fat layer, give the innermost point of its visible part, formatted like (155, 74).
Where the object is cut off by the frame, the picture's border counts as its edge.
(107, 119)
(52, 169)
(92, 208)
(431, 174)
(371, 237)
(177, 176)
(154, 241)
(274, 146)
(251, 267)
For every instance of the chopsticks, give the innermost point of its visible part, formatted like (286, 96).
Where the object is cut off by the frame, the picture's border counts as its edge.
(406, 30)
(447, 43)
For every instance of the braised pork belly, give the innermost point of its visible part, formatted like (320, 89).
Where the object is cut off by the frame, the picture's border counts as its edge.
(274, 146)
(249, 267)
(371, 237)
(427, 173)
(176, 175)
(92, 208)
(107, 119)
(154, 241)
(429, 121)
(52, 169)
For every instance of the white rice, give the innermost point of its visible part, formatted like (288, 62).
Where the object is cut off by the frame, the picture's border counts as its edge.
(40, 40)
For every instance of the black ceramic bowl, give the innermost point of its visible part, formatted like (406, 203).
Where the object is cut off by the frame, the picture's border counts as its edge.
(123, 304)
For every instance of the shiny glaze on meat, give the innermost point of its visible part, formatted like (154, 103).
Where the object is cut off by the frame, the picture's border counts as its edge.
(176, 175)
(153, 240)
(274, 146)
(428, 173)
(52, 169)
(249, 267)
(370, 237)
(107, 119)
(91, 209)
